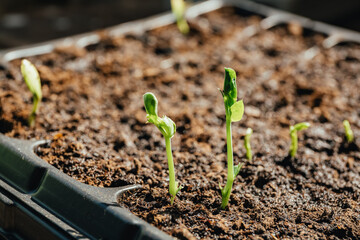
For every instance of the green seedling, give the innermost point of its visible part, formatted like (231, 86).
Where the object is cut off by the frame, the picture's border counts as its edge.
(294, 136)
(234, 111)
(168, 128)
(247, 145)
(178, 8)
(32, 80)
(348, 132)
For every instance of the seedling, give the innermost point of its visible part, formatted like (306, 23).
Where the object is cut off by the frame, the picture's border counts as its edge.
(294, 136)
(168, 128)
(178, 8)
(348, 132)
(234, 111)
(247, 145)
(32, 80)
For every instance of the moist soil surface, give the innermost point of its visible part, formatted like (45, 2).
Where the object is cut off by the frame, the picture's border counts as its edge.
(92, 111)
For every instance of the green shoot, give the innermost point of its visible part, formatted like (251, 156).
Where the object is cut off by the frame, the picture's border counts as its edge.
(178, 8)
(32, 80)
(348, 132)
(234, 111)
(247, 145)
(294, 136)
(168, 128)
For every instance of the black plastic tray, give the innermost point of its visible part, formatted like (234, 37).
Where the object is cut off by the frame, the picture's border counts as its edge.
(37, 201)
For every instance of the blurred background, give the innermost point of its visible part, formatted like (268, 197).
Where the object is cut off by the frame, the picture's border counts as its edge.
(24, 22)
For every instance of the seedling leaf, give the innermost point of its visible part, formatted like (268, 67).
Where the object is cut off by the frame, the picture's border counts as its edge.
(151, 104)
(237, 111)
(237, 169)
(178, 187)
(31, 77)
(230, 89)
(167, 127)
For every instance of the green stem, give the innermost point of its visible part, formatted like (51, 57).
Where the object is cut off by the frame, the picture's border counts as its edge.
(294, 143)
(34, 110)
(173, 189)
(348, 132)
(183, 26)
(230, 177)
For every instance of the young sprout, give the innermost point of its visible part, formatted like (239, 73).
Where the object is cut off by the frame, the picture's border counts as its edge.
(168, 128)
(294, 137)
(178, 8)
(247, 145)
(32, 80)
(234, 111)
(348, 132)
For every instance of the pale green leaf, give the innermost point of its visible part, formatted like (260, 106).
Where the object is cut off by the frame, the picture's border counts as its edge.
(237, 111)
(32, 78)
(237, 169)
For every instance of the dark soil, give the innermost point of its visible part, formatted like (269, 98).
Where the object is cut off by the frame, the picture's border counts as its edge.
(93, 112)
